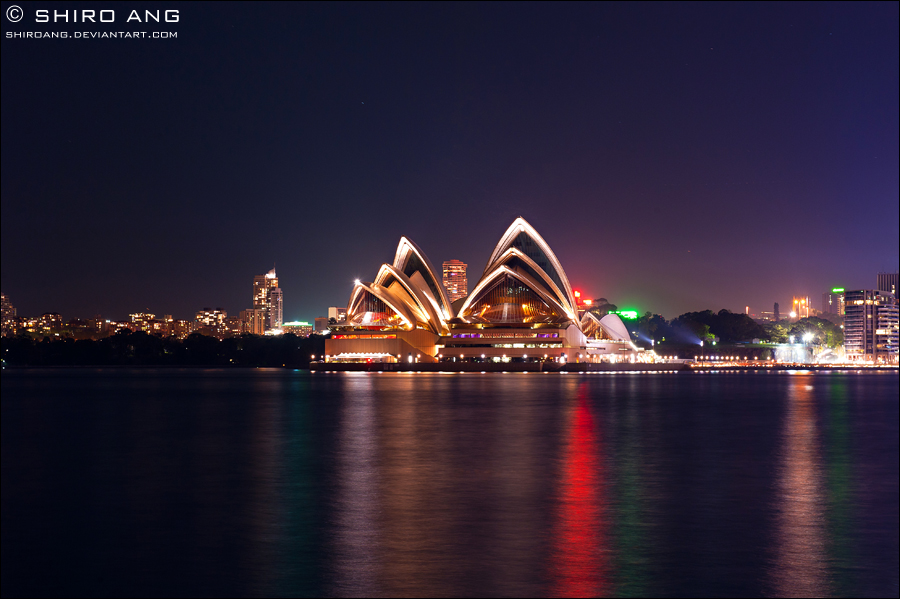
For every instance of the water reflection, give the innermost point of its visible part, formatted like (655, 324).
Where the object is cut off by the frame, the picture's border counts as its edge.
(278, 483)
(265, 508)
(581, 555)
(356, 530)
(800, 565)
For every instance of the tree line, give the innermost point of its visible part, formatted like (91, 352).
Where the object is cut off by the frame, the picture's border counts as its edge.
(127, 348)
(727, 327)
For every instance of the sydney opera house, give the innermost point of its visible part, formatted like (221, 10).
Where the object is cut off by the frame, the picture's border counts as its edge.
(522, 309)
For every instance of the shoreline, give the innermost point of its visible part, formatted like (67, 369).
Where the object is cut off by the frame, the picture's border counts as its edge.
(477, 368)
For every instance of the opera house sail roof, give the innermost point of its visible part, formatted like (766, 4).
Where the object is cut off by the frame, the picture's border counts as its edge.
(521, 308)
(405, 295)
(522, 284)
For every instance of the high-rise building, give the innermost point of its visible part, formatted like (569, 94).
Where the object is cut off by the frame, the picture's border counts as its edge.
(833, 302)
(9, 316)
(871, 326)
(777, 313)
(254, 321)
(275, 314)
(887, 281)
(455, 281)
(267, 296)
(337, 313)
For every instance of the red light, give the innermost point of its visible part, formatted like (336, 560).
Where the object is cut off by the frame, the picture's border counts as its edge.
(577, 294)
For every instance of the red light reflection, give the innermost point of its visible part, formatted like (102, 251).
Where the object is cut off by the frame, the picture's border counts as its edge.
(580, 560)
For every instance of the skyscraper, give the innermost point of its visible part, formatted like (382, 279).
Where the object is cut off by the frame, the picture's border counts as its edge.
(9, 316)
(455, 281)
(871, 326)
(275, 314)
(267, 297)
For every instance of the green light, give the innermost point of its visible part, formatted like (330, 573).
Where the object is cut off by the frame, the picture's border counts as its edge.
(629, 314)
(837, 290)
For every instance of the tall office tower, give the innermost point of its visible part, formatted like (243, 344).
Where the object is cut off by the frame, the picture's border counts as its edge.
(275, 314)
(254, 321)
(887, 281)
(9, 316)
(455, 281)
(871, 326)
(833, 303)
(777, 313)
(267, 296)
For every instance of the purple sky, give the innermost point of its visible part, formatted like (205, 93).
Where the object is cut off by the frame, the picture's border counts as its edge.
(676, 157)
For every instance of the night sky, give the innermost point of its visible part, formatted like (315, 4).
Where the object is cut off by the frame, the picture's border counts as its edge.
(676, 157)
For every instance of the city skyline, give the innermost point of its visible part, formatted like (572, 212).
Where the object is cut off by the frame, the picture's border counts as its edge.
(757, 312)
(677, 157)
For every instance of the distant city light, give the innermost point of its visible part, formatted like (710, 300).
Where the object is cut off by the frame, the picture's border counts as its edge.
(629, 314)
(837, 290)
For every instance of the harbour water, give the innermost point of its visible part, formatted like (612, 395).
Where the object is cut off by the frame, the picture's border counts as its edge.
(276, 482)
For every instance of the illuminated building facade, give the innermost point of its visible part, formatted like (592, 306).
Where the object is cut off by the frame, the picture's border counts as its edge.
(233, 326)
(871, 326)
(800, 308)
(339, 314)
(182, 328)
(51, 323)
(521, 309)
(209, 317)
(299, 328)
(254, 321)
(455, 281)
(275, 313)
(9, 316)
(267, 296)
(142, 321)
